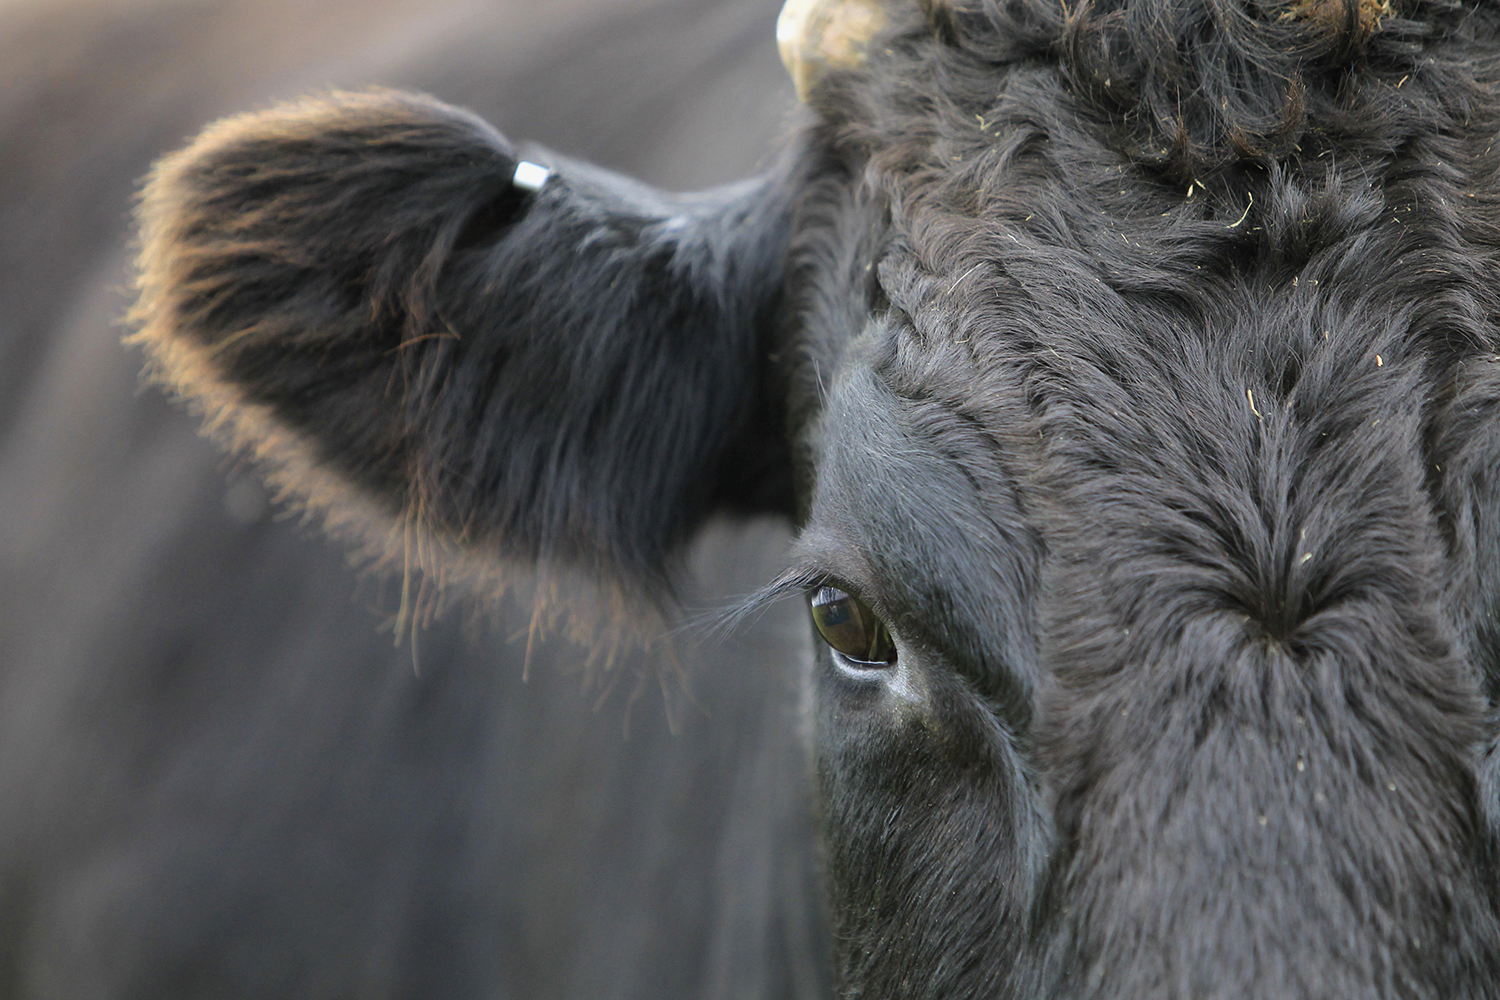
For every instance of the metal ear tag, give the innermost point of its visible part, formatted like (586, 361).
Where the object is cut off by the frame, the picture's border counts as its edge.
(530, 176)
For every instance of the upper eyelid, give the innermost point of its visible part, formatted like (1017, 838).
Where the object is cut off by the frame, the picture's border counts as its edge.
(800, 580)
(819, 556)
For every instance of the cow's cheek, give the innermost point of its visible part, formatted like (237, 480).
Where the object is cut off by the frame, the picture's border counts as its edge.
(932, 830)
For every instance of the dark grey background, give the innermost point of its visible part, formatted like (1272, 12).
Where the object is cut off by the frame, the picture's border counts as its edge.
(218, 777)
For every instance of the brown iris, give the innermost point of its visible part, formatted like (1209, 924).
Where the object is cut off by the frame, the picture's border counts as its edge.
(848, 625)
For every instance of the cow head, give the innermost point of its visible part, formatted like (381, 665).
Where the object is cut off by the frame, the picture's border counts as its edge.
(1130, 370)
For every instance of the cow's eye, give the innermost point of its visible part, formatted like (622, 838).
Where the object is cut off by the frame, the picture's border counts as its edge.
(848, 625)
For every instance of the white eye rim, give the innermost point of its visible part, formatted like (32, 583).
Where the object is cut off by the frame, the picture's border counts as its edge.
(862, 669)
(867, 671)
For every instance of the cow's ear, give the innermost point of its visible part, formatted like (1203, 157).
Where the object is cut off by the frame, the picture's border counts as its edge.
(456, 368)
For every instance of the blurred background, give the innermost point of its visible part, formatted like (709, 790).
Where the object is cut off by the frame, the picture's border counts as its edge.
(218, 775)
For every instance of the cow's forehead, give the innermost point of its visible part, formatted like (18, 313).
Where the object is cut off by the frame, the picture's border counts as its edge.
(1048, 344)
(1031, 378)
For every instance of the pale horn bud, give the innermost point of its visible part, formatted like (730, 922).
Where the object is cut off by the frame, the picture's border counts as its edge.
(816, 36)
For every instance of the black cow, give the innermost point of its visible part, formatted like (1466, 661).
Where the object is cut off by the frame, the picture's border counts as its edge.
(1127, 369)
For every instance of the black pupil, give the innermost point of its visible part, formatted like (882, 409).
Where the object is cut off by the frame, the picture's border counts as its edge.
(848, 625)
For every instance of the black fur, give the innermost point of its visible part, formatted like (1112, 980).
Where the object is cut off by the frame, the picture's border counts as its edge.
(1138, 360)
(1162, 445)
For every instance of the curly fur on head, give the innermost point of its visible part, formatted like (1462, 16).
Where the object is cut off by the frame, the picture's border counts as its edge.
(1197, 88)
